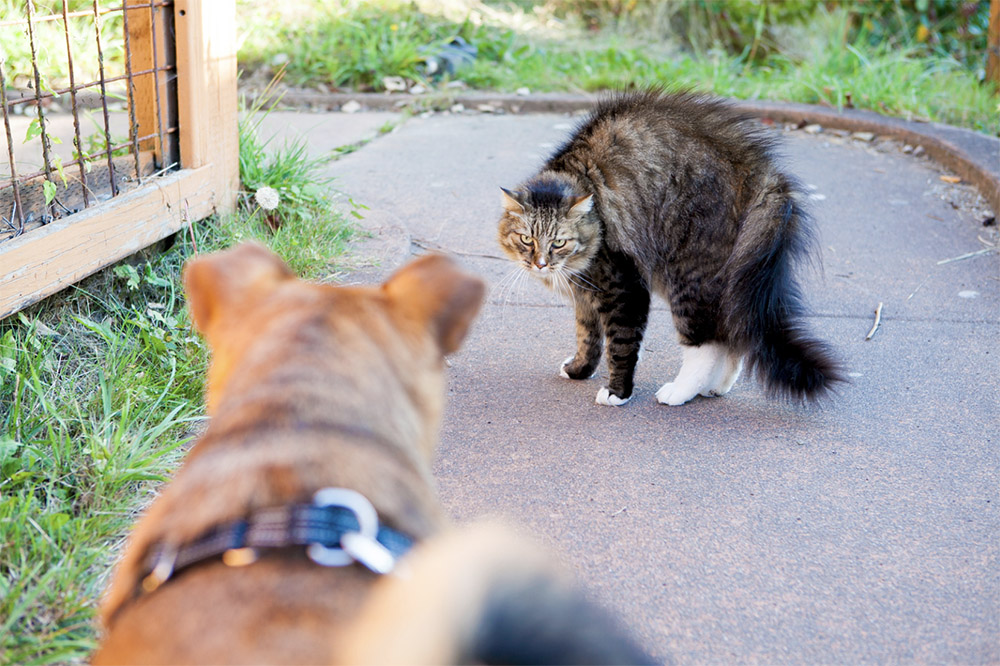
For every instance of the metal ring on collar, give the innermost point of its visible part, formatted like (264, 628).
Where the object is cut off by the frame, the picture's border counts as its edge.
(361, 546)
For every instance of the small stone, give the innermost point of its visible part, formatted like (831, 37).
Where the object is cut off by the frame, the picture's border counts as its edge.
(350, 107)
(863, 136)
(813, 129)
(907, 149)
(486, 108)
(418, 89)
(523, 92)
(457, 108)
(460, 85)
(918, 151)
(394, 83)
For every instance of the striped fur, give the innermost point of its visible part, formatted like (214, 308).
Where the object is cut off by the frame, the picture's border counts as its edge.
(683, 198)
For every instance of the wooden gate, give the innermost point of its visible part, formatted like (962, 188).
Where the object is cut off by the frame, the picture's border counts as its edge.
(179, 164)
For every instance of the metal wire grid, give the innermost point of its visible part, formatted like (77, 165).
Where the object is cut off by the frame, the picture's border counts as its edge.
(18, 215)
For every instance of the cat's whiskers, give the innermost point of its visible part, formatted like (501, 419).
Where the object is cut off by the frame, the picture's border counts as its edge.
(561, 284)
(576, 277)
(504, 283)
(516, 279)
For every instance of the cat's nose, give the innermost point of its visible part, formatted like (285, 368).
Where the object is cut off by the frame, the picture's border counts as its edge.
(540, 263)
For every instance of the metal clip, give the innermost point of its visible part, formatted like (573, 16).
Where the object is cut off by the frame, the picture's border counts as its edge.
(239, 557)
(162, 570)
(368, 552)
(360, 546)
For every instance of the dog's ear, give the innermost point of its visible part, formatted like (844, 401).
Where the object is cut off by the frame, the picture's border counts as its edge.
(224, 281)
(436, 293)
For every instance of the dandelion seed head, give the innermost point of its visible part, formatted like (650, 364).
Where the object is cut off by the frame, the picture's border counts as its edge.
(267, 198)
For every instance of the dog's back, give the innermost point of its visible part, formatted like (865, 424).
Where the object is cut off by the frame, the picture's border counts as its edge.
(315, 387)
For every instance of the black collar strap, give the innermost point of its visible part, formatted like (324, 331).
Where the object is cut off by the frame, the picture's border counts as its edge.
(339, 528)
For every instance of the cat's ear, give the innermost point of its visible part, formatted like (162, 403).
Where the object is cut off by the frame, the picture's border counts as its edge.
(510, 202)
(582, 205)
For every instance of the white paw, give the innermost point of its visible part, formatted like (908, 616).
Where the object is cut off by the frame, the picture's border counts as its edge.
(604, 397)
(730, 373)
(562, 368)
(672, 394)
(708, 370)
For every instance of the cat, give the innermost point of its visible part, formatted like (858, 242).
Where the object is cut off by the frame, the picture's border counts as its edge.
(679, 194)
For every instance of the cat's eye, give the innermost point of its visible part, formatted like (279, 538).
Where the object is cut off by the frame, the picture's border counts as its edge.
(527, 240)
(559, 243)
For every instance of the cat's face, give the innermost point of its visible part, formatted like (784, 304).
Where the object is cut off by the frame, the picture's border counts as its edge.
(551, 237)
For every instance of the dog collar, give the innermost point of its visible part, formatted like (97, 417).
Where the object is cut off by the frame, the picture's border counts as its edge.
(339, 528)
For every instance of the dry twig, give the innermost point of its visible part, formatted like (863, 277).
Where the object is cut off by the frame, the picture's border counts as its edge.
(434, 247)
(878, 318)
(967, 255)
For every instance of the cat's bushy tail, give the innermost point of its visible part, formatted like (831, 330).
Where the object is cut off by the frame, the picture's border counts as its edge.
(763, 305)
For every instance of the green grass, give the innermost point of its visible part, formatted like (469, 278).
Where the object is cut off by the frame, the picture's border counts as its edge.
(299, 229)
(100, 391)
(820, 61)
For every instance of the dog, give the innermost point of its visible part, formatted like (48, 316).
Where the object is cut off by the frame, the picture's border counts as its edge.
(303, 526)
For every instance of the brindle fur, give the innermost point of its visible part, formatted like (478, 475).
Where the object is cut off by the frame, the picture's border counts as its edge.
(678, 194)
(313, 386)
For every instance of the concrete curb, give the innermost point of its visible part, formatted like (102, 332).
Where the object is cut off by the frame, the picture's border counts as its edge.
(972, 156)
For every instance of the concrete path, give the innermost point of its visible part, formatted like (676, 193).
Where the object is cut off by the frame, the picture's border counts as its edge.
(728, 530)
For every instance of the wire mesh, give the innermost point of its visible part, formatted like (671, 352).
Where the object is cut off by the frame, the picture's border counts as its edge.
(71, 145)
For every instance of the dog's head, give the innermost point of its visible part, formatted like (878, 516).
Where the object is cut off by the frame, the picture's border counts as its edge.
(364, 354)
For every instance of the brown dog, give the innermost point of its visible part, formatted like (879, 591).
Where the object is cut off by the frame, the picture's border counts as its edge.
(321, 396)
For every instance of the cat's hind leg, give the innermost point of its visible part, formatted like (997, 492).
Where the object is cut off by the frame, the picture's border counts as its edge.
(726, 374)
(705, 368)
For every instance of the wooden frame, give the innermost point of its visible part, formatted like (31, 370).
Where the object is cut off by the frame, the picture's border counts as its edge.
(41, 262)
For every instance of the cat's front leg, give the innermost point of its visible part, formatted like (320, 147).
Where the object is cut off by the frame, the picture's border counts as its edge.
(624, 313)
(589, 341)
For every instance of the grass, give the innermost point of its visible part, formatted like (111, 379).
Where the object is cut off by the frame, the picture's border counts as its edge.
(357, 44)
(100, 391)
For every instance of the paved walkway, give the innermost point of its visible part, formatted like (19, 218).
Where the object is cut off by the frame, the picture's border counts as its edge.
(730, 529)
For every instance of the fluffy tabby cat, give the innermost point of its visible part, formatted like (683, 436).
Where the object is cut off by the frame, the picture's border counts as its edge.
(679, 194)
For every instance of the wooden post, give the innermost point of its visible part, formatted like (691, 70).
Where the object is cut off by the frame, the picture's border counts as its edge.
(43, 261)
(151, 114)
(993, 45)
(206, 91)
